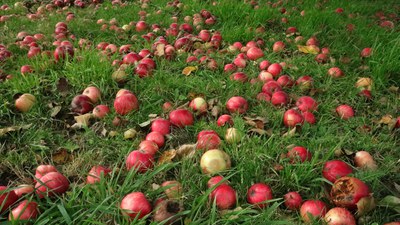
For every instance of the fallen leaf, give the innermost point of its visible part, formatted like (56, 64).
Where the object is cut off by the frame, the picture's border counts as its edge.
(154, 116)
(257, 122)
(155, 186)
(6, 130)
(83, 119)
(393, 89)
(188, 70)
(55, 111)
(260, 131)
(160, 50)
(63, 86)
(186, 151)
(167, 156)
(145, 123)
(397, 187)
(290, 133)
(227, 212)
(309, 49)
(130, 134)
(391, 202)
(215, 111)
(61, 156)
(386, 119)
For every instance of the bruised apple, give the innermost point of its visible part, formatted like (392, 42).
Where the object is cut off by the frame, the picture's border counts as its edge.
(96, 173)
(81, 104)
(25, 102)
(214, 161)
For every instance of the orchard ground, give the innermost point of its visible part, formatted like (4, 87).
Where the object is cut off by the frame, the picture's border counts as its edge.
(46, 133)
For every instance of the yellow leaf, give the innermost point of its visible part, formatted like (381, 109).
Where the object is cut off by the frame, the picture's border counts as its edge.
(188, 70)
(309, 49)
(61, 156)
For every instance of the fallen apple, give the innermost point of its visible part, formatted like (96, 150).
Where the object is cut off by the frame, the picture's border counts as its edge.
(52, 183)
(258, 194)
(139, 161)
(224, 197)
(26, 210)
(293, 200)
(96, 173)
(214, 161)
(7, 198)
(312, 209)
(135, 205)
(25, 102)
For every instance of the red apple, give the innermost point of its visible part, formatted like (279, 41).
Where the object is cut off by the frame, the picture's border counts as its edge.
(335, 72)
(366, 52)
(265, 76)
(26, 210)
(299, 153)
(345, 112)
(148, 147)
(364, 160)
(139, 161)
(206, 132)
(239, 76)
(293, 200)
(181, 118)
(335, 169)
(141, 26)
(208, 141)
(198, 104)
(101, 111)
(312, 209)
(93, 93)
(309, 117)
(50, 184)
(278, 46)
(285, 81)
(135, 205)
(254, 53)
(43, 170)
(215, 180)
(275, 69)
(62, 52)
(224, 197)
(347, 191)
(25, 69)
(279, 98)
(25, 102)
(258, 193)
(7, 198)
(126, 103)
(24, 189)
(156, 137)
(339, 216)
(271, 87)
(306, 103)
(292, 118)
(96, 173)
(162, 126)
(224, 120)
(237, 104)
(81, 104)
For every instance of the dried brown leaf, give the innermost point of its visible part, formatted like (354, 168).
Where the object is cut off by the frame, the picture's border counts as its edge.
(6, 130)
(257, 122)
(62, 156)
(393, 89)
(186, 150)
(83, 119)
(167, 156)
(215, 111)
(386, 119)
(260, 131)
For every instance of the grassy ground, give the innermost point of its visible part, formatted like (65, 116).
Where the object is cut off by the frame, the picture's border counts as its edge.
(50, 138)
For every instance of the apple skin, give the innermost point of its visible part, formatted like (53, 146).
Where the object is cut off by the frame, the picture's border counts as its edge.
(24, 189)
(237, 104)
(258, 193)
(309, 117)
(224, 120)
(6, 198)
(126, 103)
(95, 174)
(162, 126)
(206, 132)
(345, 112)
(275, 69)
(181, 118)
(335, 169)
(299, 153)
(366, 52)
(25, 102)
(93, 93)
(314, 208)
(279, 98)
(139, 161)
(135, 205)
(51, 183)
(293, 200)
(335, 72)
(81, 104)
(224, 197)
(43, 170)
(292, 118)
(24, 211)
(101, 111)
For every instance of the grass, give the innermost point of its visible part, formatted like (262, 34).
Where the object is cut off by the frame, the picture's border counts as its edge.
(253, 159)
